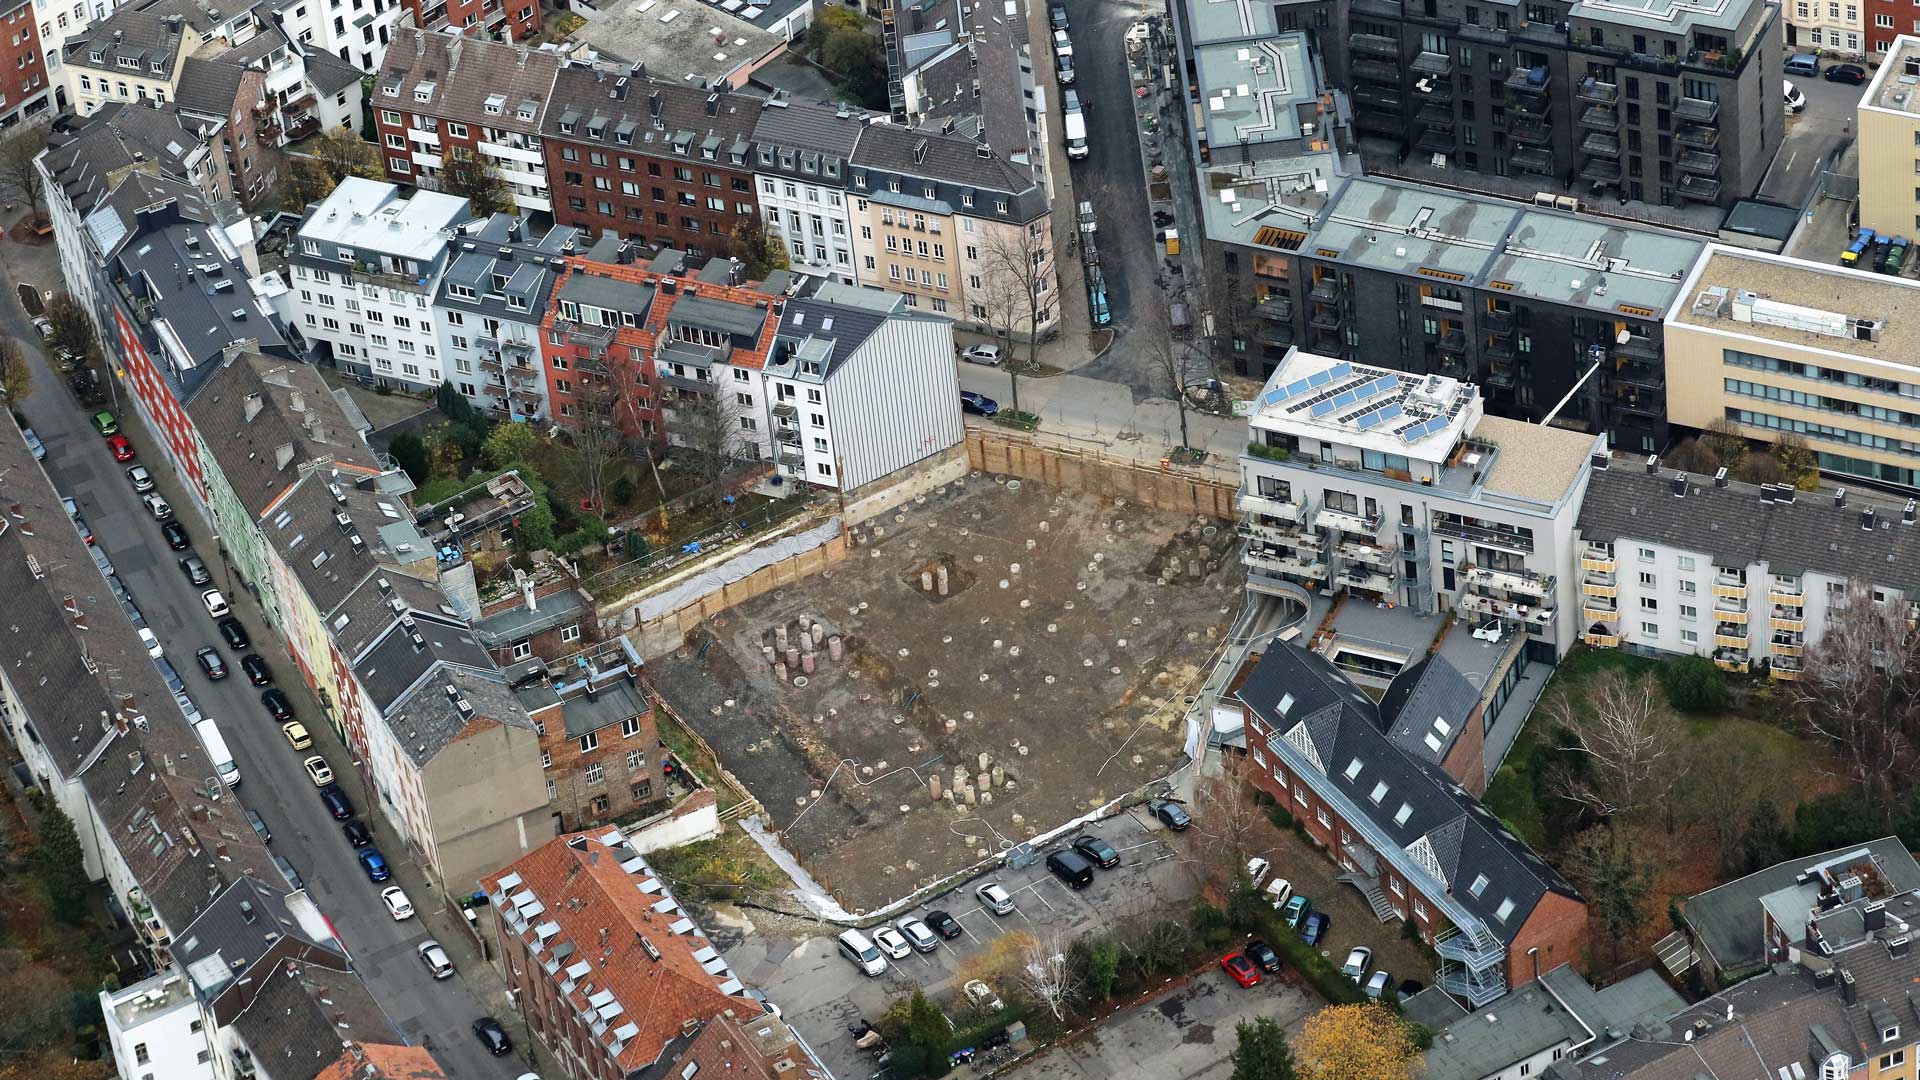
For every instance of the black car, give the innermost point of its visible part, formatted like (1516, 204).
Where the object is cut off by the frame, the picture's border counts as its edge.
(943, 924)
(493, 1035)
(1262, 953)
(1097, 851)
(1057, 16)
(256, 669)
(1408, 988)
(176, 535)
(1072, 868)
(287, 871)
(1171, 814)
(1846, 73)
(211, 663)
(277, 704)
(357, 832)
(260, 827)
(235, 634)
(195, 570)
(336, 802)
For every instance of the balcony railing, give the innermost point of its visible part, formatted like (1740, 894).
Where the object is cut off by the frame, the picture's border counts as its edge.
(1649, 376)
(1273, 508)
(1529, 129)
(1730, 636)
(1699, 188)
(1434, 139)
(1529, 81)
(1600, 118)
(1783, 673)
(1377, 97)
(1374, 44)
(1601, 144)
(1273, 306)
(1513, 581)
(1782, 598)
(1792, 620)
(1378, 71)
(1326, 317)
(1284, 564)
(1531, 159)
(1325, 290)
(1706, 138)
(1601, 641)
(1360, 524)
(1592, 614)
(1593, 89)
(1498, 607)
(1736, 664)
(1731, 616)
(1699, 162)
(1600, 588)
(1433, 63)
(1599, 170)
(1698, 110)
(1638, 345)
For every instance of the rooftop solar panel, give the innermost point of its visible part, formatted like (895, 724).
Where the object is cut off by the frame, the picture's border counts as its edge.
(1322, 408)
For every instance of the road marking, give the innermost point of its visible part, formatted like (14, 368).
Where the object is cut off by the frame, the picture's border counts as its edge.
(1790, 160)
(1035, 889)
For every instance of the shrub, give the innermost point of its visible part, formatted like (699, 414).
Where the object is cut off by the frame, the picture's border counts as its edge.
(1694, 685)
(1279, 816)
(1210, 924)
(623, 490)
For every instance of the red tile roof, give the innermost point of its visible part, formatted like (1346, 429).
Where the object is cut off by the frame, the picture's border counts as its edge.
(380, 1061)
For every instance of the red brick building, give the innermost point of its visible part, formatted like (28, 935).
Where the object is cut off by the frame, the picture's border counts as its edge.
(1366, 781)
(657, 162)
(545, 620)
(25, 92)
(623, 953)
(500, 20)
(598, 743)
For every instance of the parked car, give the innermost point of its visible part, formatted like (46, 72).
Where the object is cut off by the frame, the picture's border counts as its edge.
(152, 643)
(1240, 969)
(1279, 892)
(86, 531)
(1171, 814)
(1314, 929)
(43, 326)
(995, 898)
(978, 404)
(862, 952)
(917, 934)
(297, 736)
(1063, 70)
(121, 448)
(1377, 984)
(336, 802)
(175, 535)
(104, 423)
(1057, 16)
(287, 871)
(235, 634)
(210, 663)
(318, 770)
(1852, 74)
(34, 444)
(944, 924)
(1794, 99)
(981, 354)
(260, 827)
(493, 1036)
(1296, 911)
(1071, 868)
(1359, 960)
(357, 833)
(1802, 64)
(435, 957)
(157, 505)
(397, 903)
(1257, 871)
(1262, 954)
(375, 864)
(256, 669)
(1097, 851)
(891, 943)
(981, 996)
(196, 570)
(216, 603)
(140, 477)
(1408, 988)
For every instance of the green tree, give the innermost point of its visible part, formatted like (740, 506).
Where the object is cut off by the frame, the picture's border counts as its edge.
(72, 330)
(16, 378)
(927, 1026)
(826, 22)
(624, 490)
(330, 157)
(592, 530)
(1100, 959)
(1798, 462)
(63, 866)
(1767, 840)
(410, 450)
(1260, 1051)
(761, 251)
(509, 445)
(1694, 685)
(477, 180)
(19, 176)
(453, 404)
(1833, 821)
(1616, 881)
(533, 529)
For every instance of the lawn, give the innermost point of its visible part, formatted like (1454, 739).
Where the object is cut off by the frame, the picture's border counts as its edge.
(690, 753)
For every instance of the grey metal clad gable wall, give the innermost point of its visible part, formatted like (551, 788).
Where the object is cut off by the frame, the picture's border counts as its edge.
(895, 401)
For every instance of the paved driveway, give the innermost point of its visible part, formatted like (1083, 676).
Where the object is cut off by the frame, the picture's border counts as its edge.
(819, 992)
(1812, 138)
(1184, 1034)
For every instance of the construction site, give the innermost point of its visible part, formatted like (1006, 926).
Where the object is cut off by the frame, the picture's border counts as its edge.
(991, 661)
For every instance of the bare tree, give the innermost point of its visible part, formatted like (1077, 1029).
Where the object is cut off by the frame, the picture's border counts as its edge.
(596, 431)
(1628, 740)
(706, 423)
(1859, 690)
(1048, 975)
(16, 378)
(1174, 361)
(20, 176)
(478, 180)
(1229, 814)
(1020, 279)
(72, 331)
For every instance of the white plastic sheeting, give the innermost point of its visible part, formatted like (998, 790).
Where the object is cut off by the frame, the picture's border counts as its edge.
(736, 569)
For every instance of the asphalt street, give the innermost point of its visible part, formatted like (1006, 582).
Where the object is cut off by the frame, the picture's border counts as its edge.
(434, 1014)
(1813, 138)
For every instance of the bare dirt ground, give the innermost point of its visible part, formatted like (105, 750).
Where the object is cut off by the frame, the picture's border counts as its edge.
(1073, 630)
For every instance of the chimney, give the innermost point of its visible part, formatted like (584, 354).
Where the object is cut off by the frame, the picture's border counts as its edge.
(1783, 493)
(713, 104)
(1907, 514)
(1874, 916)
(282, 455)
(1653, 464)
(1680, 486)
(1598, 462)
(654, 104)
(1839, 498)
(1848, 992)
(1866, 519)
(254, 405)
(1766, 493)
(298, 402)
(526, 594)
(419, 44)
(1720, 477)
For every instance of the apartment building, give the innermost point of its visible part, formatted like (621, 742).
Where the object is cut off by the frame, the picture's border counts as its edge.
(437, 92)
(1676, 564)
(496, 20)
(661, 163)
(958, 67)
(27, 91)
(488, 308)
(592, 943)
(1557, 1016)
(1421, 847)
(598, 741)
(1522, 301)
(801, 152)
(1839, 26)
(548, 617)
(87, 156)
(366, 268)
(133, 55)
(1889, 123)
(226, 96)
(354, 34)
(1784, 345)
(697, 43)
(1402, 491)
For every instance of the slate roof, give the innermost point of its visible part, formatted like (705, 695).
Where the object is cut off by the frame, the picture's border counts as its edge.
(396, 665)
(953, 163)
(368, 613)
(840, 328)
(517, 622)
(563, 898)
(986, 49)
(726, 316)
(533, 264)
(610, 703)
(1736, 528)
(651, 115)
(248, 448)
(1420, 700)
(802, 126)
(238, 930)
(427, 720)
(1418, 801)
(1775, 1017)
(209, 87)
(465, 72)
(143, 35)
(197, 289)
(328, 73)
(304, 1013)
(85, 156)
(1726, 919)
(612, 294)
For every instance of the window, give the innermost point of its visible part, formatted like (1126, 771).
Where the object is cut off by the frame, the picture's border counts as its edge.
(1648, 603)
(590, 741)
(570, 632)
(546, 760)
(1650, 629)
(629, 727)
(1689, 637)
(1646, 554)
(596, 774)
(1686, 563)
(140, 1055)
(1647, 580)
(1688, 611)
(521, 650)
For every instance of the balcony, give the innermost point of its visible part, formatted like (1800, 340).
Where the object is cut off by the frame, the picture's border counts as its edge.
(1782, 598)
(1530, 129)
(1500, 348)
(1699, 189)
(1501, 374)
(1370, 554)
(1438, 113)
(1532, 159)
(1596, 560)
(492, 362)
(1637, 345)
(1782, 672)
(1600, 144)
(790, 455)
(1340, 520)
(1787, 648)
(1643, 375)
(1285, 564)
(1434, 88)
(1254, 527)
(1791, 620)
(1706, 138)
(1434, 139)
(1326, 317)
(1600, 118)
(788, 435)
(1326, 289)
(1732, 586)
(1375, 97)
(1452, 339)
(1736, 664)
(1374, 45)
(1594, 614)
(1600, 171)
(1292, 512)
(1273, 306)
(1386, 124)
(1697, 110)
(1607, 589)
(1378, 72)
(1730, 636)
(1505, 539)
(1529, 80)
(1699, 162)
(1432, 63)
(1732, 616)
(1601, 641)
(1363, 579)
(1520, 582)
(1648, 405)
(1594, 90)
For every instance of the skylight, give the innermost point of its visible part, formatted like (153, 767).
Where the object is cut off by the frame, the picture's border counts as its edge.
(1505, 909)
(1406, 811)
(1479, 886)
(1379, 792)
(1353, 768)
(1286, 703)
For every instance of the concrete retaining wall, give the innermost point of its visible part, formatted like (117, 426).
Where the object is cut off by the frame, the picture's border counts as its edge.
(881, 496)
(666, 632)
(1169, 488)
(696, 818)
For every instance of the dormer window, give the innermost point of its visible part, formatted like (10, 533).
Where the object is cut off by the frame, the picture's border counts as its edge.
(786, 159)
(391, 89)
(927, 190)
(766, 155)
(893, 185)
(999, 206)
(833, 168)
(1889, 1034)
(566, 127)
(526, 111)
(860, 178)
(596, 131)
(97, 55)
(496, 103)
(158, 67)
(423, 92)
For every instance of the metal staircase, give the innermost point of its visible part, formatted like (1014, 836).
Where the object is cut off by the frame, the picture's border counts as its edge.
(1369, 887)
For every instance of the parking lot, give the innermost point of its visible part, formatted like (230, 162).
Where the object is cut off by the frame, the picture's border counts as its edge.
(820, 992)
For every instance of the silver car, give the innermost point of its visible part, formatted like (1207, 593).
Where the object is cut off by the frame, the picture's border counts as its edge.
(435, 957)
(917, 934)
(995, 898)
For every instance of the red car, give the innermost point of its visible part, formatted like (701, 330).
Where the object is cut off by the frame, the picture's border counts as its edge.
(1241, 969)
(122, 449)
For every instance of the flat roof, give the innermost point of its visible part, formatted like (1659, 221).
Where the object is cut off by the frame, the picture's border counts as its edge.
(683, 41)
(1250, 91)
(1893, 88)
(1210, 21)
(1671, 16)
(1406, 229)
(372, 214)
(1584, 262)
(1324, 397)
(1535, 462)
(1799, 294)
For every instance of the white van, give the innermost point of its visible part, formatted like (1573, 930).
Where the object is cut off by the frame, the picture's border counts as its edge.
(216, 748)
(865, 954)
(1076, 125)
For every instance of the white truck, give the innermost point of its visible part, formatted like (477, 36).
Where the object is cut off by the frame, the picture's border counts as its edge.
(1076, 124)
(216, 748)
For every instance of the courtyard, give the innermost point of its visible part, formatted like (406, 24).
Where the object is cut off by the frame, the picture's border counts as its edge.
(989, 662)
